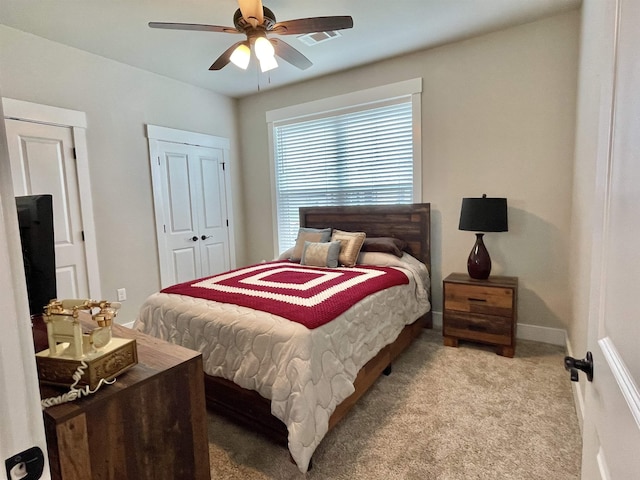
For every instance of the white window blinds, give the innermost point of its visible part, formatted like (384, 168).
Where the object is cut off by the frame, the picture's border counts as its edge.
(363, 156)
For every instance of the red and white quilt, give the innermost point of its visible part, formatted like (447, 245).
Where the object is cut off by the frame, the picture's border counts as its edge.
(311, 296)
(305, 372)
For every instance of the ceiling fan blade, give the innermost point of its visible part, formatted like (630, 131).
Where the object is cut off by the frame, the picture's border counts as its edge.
(252, 11)
(225, 58)
(312, 25)
(290, 54)
(193, 26)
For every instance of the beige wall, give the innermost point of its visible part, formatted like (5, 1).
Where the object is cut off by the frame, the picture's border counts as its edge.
(498, 116)
(118, 100)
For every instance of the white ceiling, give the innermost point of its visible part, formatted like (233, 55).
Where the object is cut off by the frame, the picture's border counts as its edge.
(118, 30)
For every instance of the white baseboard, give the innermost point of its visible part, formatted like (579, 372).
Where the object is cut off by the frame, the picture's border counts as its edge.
(554, 336)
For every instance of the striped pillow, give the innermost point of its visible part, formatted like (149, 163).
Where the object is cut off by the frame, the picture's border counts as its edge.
(351, 243)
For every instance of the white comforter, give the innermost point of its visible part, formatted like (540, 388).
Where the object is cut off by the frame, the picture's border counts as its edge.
(305, 373)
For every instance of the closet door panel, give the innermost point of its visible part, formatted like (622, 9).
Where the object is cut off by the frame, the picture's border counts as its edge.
(180, 216)
(213, 219)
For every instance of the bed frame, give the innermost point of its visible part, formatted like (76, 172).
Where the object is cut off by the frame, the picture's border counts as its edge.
(409, 222)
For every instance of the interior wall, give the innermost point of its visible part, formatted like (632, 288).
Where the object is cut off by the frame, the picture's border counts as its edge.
(119, 101)
(498, 117)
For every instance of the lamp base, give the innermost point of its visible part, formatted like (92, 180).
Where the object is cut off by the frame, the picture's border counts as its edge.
(479, 262)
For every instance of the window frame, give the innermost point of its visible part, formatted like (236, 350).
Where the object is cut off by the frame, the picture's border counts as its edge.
(359, 100)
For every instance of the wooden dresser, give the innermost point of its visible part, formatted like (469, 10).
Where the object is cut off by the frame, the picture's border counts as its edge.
(481, 311)
(151, 424)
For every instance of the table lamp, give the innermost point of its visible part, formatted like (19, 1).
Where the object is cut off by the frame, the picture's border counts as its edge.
(482, 215)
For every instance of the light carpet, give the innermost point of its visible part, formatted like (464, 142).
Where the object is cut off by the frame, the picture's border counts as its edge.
(443, 413)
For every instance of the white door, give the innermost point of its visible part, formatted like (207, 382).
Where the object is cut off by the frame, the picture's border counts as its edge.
(192, 202)
(612, 407)
(212, 209)
(42, 162)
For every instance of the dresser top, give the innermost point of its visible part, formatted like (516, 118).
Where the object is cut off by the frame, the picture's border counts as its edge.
(155, 357)
(492, 281)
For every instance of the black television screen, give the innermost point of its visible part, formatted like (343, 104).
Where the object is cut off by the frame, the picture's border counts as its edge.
(35, 219)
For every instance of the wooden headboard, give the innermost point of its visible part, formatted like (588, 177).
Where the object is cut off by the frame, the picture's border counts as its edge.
(409, 222)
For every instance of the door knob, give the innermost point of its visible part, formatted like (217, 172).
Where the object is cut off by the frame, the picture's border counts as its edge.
(194, 238)
(573, 365)
(204, 237)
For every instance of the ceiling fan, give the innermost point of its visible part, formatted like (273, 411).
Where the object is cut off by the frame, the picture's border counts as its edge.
(255, 21)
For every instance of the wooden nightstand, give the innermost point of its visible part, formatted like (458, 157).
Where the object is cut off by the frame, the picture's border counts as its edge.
(151, 424)
(480, 311)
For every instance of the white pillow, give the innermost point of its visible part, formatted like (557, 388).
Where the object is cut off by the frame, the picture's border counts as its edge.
(379, 259)
(286, 255)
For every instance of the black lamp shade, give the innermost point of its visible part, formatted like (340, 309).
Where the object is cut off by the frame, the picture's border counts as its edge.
(484, 215)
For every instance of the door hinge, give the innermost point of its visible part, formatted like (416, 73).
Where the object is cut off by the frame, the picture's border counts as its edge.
(164, 227)
(82, 233)
(73, 150)
(223, 163)
(158, 159)
(227, 222)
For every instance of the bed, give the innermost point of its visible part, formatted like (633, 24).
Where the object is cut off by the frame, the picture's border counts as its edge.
(288, 381)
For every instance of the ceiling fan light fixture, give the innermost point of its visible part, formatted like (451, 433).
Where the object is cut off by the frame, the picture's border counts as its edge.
(263, 48)
(268, 63)
(241, 56)
(256, 21)
(265, 52)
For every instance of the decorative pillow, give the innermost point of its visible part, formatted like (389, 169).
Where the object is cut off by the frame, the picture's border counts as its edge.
(384, 245)
(380, 259)
(309, 235)
(351, 243)
(320, 254)
(286, 255)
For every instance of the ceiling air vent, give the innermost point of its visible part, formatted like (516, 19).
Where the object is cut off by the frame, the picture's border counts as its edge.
(318, 37)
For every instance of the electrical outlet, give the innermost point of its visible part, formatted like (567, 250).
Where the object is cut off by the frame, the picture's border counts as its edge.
(122, 294)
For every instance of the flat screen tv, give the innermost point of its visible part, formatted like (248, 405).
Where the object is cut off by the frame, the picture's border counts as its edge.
(35, 218)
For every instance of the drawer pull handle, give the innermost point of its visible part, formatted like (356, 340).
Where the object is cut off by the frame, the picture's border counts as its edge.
(471, 299)
(477, 328)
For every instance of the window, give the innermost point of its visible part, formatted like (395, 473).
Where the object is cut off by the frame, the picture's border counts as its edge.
(355, 154)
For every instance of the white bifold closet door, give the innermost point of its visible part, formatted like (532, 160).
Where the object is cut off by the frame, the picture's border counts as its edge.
(190, 193)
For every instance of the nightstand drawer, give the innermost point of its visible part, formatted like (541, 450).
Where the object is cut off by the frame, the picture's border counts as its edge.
(487, 300)
(483, 328)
